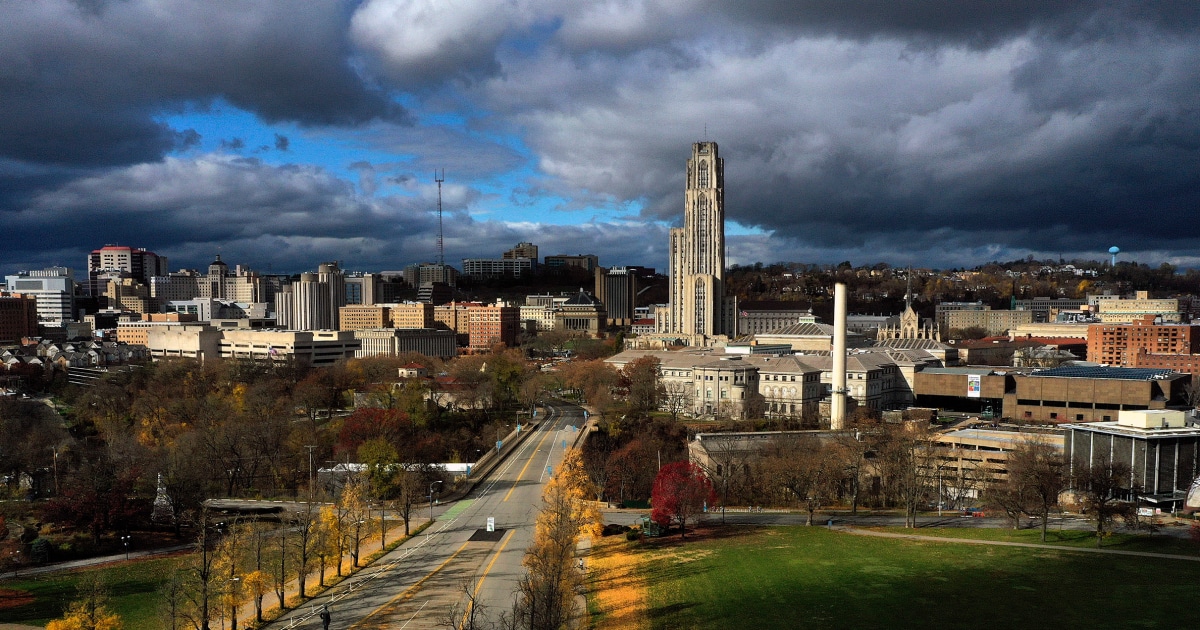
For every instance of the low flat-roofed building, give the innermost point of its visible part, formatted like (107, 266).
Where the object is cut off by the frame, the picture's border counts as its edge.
(967, 389)
(189, 341)
(542, 317)
(315, 347)
(806, 337)
(969, 460)
(1161, 449)
(1090, 394)
(394, 341)
(763, 316)
(1130, 310)
(1073, 330)
(994, 322)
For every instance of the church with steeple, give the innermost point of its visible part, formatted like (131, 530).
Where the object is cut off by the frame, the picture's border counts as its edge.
(910, 326)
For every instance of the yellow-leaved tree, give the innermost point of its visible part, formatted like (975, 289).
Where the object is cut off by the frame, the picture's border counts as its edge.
(548, 588)
(88, 611)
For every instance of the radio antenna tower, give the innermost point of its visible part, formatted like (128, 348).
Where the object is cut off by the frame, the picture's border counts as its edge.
(441, 252)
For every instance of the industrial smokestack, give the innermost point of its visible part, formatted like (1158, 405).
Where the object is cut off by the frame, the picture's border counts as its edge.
(837, 407)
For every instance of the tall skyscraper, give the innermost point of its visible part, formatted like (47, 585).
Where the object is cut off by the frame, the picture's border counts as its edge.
(122, 262)
(699, 310)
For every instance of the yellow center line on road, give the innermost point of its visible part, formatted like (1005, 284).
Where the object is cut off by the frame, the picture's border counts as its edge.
(412, 590)
(522, 473)
(478, 585)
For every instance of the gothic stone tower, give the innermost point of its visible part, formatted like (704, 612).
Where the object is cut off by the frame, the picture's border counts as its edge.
(699, 310)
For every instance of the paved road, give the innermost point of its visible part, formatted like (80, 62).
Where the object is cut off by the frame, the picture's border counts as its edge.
(416, 585)
(782, 517)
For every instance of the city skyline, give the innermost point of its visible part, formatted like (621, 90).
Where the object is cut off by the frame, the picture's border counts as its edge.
(931, 134)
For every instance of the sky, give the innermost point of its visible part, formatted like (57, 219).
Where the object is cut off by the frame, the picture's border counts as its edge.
(281, 134)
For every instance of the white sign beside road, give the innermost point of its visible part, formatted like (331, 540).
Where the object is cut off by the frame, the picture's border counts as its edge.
(491, 524)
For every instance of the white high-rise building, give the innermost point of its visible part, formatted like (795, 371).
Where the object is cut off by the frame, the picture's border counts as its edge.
(699, 311)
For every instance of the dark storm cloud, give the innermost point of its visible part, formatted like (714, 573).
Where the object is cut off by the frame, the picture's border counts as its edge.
(992, 128)
(281, 142)
(178, 203)
(82, 84)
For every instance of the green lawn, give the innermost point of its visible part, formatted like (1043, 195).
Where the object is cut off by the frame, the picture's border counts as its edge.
(132, 588)
(799, 577)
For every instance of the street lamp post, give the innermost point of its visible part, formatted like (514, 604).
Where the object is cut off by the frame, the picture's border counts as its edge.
(125, 539)
(431, 499)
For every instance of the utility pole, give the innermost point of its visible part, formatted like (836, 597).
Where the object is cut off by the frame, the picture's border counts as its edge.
(310, 448)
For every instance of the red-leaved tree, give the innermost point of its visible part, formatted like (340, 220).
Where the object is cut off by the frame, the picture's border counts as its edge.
(680, 493)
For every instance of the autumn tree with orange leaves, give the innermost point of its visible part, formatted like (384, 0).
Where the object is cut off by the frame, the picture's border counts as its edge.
(547, 591)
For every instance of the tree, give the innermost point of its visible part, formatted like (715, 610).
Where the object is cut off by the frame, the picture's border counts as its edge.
(1010, 496)
(1101, 483)
(805, 467)
(305, 524)
(681, 490)
(677, 398)
(88, 611)
(1039, 467)
(907, 465)
(547, 590)
(851, 447)
(728, 462)
(641, 377)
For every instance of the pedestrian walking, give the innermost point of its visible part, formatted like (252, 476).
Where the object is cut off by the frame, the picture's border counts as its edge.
(325, 617)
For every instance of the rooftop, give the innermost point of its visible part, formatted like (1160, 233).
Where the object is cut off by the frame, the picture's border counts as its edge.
(1118, 373)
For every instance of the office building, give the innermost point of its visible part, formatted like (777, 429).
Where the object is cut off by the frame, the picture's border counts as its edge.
(360, 317)
(53, 288)
(522, 250)
(481, 268)
(419, 274)
(583, 262)
(127, 262)
(991, 322)
(493, 324)
(18, 317)
(617, 289)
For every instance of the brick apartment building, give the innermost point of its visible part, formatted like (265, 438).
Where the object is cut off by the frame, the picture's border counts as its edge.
(1119, 344)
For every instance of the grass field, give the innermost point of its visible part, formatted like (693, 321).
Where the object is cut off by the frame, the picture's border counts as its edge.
(799, 577)
(132, 588)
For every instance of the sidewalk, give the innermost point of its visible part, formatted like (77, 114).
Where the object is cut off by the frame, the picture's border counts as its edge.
(1002, 543)
(89, 562)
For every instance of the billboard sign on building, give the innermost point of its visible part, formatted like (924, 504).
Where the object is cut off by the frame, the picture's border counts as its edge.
(974, 385)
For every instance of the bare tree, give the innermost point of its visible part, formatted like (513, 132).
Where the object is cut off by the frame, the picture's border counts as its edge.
(725, 467)
(851, 448)
(305, 523)
(1040, 468)
(677, 397)
(908, 466)
(1101, 484)
(805, 467)
(467, 613)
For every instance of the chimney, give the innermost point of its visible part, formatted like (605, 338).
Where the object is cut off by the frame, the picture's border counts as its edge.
(837, 407)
